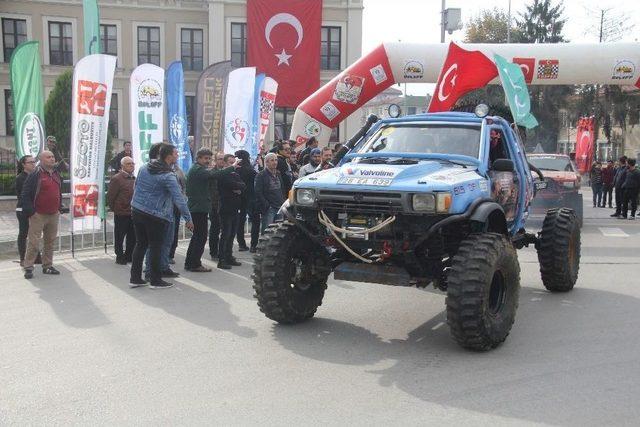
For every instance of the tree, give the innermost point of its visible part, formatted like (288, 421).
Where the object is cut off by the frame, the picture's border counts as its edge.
(542, 22)
(57, 112)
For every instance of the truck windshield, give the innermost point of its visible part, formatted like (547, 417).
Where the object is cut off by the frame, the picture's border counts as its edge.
(551, 163)
(425, 139)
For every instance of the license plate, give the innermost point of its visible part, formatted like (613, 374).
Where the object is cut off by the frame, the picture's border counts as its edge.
(351, 180)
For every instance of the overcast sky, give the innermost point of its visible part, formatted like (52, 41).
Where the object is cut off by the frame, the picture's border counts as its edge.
(418, 21)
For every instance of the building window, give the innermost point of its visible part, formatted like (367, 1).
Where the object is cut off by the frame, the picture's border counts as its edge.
(109, 40)
(191, 103)
(238, 44)
(8, 112)
(335, 135)
(113, 116)
(149, 45)
(60, 43)
(282, 122)
(330, 46)
(14, 32)
(191, 47)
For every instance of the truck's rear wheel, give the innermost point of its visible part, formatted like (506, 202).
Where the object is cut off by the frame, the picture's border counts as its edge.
(289, 275)
(559, 250)
(482, 293)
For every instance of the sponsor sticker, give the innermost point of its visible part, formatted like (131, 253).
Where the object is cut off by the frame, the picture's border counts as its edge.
(348, 89)
(85, 200)
(413, 70)
(483, 185)
(329, 110)
(312, 128)
(32, 133)
(149, 94)
(623, 70)
(548, 69)
(458, 189)
(236, 133)
(378, 74)
(92, 97)
(471, 186)
(354, 175)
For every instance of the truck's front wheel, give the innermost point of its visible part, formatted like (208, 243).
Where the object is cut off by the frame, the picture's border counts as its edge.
(482, 292)
(289, 275)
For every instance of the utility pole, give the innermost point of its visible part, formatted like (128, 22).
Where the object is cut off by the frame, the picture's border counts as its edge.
(442, 23)
(601, 23)
(509, 24)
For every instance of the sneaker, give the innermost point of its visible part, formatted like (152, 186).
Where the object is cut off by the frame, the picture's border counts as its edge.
(161, 285)
(28, 274)
(224, 266)
(136, 283)
(253, 250)
(50, 270)
(121, 261)
(169, 273)
(243, 248)
(615, 215)
(201, 269)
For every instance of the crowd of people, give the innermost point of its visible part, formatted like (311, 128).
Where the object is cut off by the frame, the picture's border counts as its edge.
(622, 179)
(215, 197)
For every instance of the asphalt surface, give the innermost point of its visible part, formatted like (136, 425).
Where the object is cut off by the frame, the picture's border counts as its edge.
(83, 348)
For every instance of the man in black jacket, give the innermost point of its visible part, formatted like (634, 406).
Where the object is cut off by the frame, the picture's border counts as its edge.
(283, 150)
(618, 180)
(268, 188)
(230, 187)
(248, 207)
(631, 188)
(115, 163)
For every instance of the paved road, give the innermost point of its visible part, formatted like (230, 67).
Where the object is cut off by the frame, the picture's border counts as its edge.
(85, 349)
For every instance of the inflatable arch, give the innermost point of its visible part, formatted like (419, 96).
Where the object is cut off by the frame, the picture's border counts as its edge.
(389, 63)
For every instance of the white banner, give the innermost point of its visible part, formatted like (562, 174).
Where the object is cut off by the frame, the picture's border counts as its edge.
(146, 104)
(267, 103)
(239, 109)
(91, 99)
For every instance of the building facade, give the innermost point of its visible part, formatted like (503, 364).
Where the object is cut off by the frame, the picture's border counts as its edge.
(198, 32)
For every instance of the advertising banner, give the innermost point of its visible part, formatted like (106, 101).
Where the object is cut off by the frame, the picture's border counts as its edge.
(28, 99)
(146, 104)
(239, 109)
(267, 103)
(584, 143)
(210, 104)
(91, 20)
(177, 114)
(91, 99)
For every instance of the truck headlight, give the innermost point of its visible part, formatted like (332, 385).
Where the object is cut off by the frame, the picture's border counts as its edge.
(443, 202)
(423, 202)
(305, 197)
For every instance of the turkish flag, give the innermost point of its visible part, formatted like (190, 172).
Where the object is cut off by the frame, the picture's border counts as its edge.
(584, 143)
(527, 65)
(462, 72)
(283, 41)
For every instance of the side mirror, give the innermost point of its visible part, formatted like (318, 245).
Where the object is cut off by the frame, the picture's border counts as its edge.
(503, 165)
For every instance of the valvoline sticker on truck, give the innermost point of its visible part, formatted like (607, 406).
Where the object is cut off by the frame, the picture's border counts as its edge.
(358, 175)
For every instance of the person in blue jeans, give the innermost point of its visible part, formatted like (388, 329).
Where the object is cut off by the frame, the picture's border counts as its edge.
(268, 191)
(155, 194)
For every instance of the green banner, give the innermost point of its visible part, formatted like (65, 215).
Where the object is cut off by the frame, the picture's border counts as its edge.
(28, 99)
(91, 27)
(516, 91)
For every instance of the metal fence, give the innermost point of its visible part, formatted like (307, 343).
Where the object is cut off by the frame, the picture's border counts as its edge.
(8, 168)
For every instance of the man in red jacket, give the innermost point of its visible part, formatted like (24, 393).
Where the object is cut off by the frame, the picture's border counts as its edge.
(119, 200)
(607, 183)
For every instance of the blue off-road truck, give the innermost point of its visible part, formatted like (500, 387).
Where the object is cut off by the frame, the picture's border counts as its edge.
(435, 199)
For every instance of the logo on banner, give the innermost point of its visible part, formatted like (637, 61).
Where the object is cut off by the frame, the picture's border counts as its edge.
(548, 69)
(178, 128)
(85, 200)
(267, 102)
(92, 97)
(413, 70)
(378, 74)
(623, 70)
(236, 134)
(312, 129)
(150, 94)
(288, 19)
(527, 65)
(32, 133)
(348, 89)
(329, 110)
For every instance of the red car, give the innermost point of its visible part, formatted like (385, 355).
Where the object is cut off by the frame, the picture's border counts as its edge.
(563, 183)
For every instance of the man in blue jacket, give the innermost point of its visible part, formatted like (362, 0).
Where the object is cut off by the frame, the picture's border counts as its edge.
(154, 196)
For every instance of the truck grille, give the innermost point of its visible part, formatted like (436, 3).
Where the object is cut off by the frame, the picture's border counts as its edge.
(357, 201)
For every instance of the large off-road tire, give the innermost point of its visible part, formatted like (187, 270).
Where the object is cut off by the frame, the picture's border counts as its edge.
(559, 250)
(574, 201)
(290, 274)
(482, 291)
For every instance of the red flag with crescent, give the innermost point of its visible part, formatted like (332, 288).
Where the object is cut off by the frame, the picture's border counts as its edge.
(462, 72)
(584, 143)
(283, 41)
